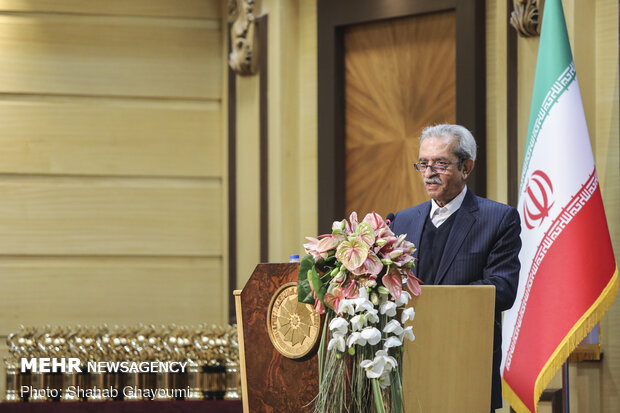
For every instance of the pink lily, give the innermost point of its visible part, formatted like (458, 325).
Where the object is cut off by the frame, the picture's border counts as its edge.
(351, 289)
(393, 282)
(375, 221)
(372, 265)
(352, 253)
(318, 306)
(333, 297)
(352, 224)
(319, 248)
(366, 233)
(413, 283)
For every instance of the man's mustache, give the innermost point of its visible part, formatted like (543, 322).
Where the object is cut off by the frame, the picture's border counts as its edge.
(433, 180)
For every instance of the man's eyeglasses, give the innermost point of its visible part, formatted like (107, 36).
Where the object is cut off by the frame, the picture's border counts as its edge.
(439, 168)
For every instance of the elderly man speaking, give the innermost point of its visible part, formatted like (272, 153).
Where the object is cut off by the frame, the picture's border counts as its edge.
(461, 238)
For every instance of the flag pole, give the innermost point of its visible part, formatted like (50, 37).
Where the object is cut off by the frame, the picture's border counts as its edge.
(565, 389)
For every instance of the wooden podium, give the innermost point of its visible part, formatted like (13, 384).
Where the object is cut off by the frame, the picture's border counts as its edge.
(448, 366)
(446, 369)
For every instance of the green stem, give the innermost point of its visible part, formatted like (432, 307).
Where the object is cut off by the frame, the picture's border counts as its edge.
(376, 392)
(321, 354)
(322, 350)
(397, 390)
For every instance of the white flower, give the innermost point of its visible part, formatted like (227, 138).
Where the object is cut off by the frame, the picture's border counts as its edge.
(372, 335)
(372, 316)
(374, 369)
(358, 322)
(338, 342)
(392, 342)
(363, 293)
(381, 365)
(356, 338)
(390, 362)
(393, 327)
(403, 299)
(408, 314)
(346, 307)
(384, 380)
(338, 326)
(388, 308)
(362, 304)
(407, 333)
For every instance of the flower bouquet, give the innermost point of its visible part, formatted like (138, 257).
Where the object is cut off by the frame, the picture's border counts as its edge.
(355, 275)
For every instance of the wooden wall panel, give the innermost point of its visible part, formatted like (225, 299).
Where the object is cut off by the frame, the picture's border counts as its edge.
(112, 163)
(247, 177)
(496, 66)
(93, 291)
(101, 55)
(399, 78)
(605, 138)
(109, 137)
(170, 8)
(68, 216)
(308, 146)
(4, 352)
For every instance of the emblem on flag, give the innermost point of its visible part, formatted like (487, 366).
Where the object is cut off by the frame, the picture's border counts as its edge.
(537, 196)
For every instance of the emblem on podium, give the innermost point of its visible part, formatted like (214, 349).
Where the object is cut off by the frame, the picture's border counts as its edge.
(293, 327)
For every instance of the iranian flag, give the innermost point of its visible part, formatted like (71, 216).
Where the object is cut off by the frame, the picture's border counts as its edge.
(568, 273)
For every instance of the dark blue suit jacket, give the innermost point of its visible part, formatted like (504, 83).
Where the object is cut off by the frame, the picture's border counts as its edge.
(482, 249)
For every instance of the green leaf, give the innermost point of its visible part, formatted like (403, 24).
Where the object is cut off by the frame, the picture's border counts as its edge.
(319, 287)
(305, 264)
(376, 392)
(397, 391)
(304, 290)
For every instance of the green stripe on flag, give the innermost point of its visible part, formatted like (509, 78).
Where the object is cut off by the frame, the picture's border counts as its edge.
(554, 56)
(568, 76)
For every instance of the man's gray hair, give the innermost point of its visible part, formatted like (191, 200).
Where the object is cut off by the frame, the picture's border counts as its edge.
(466, 147)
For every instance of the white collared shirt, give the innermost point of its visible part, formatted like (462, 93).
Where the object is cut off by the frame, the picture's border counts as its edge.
(440, 214)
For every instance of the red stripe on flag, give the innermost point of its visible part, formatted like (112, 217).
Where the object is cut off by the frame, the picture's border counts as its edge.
(576, 269)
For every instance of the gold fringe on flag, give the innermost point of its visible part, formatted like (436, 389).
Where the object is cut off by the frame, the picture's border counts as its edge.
(581, 329)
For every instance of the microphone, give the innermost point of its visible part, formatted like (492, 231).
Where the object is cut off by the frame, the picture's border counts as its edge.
(389, 218)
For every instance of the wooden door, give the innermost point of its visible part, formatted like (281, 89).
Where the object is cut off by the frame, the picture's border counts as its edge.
(400, 76)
